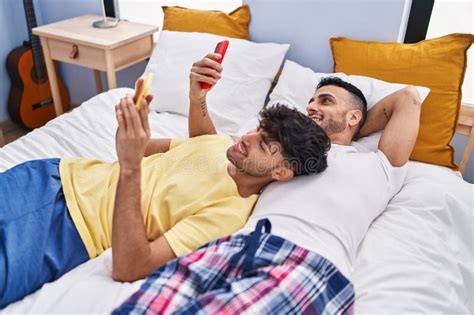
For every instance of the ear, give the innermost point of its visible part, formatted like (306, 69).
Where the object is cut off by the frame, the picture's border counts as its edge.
(353, 117)
(282, 173)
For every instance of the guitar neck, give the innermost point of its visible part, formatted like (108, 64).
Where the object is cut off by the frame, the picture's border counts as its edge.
(34, 40)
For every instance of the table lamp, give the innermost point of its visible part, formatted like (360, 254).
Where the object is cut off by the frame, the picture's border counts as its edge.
(105, 22)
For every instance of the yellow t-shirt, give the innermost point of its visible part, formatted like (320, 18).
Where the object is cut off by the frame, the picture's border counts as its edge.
(186, 195)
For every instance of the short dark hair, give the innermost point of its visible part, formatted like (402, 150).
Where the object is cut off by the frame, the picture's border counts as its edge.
(304, 143)
(357, 95)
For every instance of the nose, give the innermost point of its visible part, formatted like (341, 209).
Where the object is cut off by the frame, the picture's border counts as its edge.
(247, 138)
(311, 109)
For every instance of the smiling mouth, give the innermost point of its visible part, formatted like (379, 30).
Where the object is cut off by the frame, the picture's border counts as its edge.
(240, 147)
(317, 117)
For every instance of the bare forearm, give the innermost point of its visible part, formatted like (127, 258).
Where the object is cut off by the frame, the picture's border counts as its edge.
(377, 118)
(157, 146)
(399, 136)
(133, 256)
(399, 115)
(130, 245)
(199, 121)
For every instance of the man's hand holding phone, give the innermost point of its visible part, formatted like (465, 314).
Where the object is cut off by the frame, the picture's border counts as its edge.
(133, 132)
(206, 72)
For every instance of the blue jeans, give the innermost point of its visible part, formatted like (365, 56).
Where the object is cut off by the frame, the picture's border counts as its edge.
(38, 239)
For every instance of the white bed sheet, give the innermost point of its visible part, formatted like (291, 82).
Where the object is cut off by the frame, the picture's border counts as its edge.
(417, 257)
(88, 131)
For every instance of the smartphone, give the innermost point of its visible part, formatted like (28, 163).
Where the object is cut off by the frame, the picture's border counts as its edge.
(221, 48)
(144, 91)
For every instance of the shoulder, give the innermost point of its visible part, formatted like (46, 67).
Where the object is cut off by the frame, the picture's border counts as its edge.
(217, 141)
(371, 164)
(201, 140)
(213, 138)
(207, 138)
(380, 166)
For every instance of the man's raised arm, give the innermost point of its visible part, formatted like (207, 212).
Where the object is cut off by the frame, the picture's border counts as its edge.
(205, 70)
(133, 256)
(399, 115)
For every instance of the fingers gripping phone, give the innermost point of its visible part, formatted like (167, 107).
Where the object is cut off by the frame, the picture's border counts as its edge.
(144, 90)
(221, 48)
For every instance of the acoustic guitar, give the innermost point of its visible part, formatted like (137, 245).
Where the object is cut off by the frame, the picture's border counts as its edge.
(30, 101)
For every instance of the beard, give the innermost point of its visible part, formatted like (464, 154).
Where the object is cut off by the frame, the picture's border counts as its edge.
(230, 157)
(333, 126)
(248, 166)
(238, 163)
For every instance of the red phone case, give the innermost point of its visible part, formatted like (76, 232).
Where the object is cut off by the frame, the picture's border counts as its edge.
(221, 48)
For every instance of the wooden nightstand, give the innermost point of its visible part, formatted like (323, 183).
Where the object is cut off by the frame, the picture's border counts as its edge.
(75, 41)
(466, 127)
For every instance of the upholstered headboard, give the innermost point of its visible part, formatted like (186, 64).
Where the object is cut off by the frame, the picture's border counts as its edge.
(308, 24)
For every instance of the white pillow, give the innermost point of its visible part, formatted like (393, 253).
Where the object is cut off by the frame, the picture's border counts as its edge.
(249, 69)
(297, 85)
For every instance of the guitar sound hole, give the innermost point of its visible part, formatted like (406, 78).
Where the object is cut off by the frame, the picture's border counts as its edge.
(38, 79)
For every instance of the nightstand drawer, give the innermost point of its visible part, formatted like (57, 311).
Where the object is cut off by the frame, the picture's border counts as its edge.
(92, 57)
(77, 54)
(132, 52)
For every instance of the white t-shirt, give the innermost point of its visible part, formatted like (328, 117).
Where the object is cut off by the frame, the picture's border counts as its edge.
(329, 213)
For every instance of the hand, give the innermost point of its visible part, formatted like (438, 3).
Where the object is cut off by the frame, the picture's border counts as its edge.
(205, 70)
(133, 132)
(138, 88)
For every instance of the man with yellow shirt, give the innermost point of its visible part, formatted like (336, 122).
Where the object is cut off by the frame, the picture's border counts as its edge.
(162, 199)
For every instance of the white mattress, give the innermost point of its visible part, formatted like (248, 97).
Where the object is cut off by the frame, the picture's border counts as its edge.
(416, 258)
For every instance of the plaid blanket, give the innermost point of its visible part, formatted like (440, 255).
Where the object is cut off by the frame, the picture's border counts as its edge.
(252, 274)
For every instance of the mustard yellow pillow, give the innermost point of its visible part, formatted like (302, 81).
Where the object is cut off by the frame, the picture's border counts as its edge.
(235, 24)
(438, 64)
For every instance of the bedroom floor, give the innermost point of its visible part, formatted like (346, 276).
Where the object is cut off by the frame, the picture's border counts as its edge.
(12, 131)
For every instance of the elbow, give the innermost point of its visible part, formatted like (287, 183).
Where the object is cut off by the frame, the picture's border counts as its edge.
(124, 272)
(411, 92)
(410, 88)
(117, 276)
(398, 161)
(408, 101)
(129, 267)
(122, 275)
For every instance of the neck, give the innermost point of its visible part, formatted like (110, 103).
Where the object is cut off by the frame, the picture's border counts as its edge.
(342, 138)
(248, 185)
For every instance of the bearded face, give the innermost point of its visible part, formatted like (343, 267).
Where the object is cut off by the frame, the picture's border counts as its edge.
(254, 155)
(328, 109)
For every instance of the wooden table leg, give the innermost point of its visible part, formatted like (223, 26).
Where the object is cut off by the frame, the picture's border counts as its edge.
(53, 79)
(98, 82)
(109, 62)
(2, 138)
(467, 151)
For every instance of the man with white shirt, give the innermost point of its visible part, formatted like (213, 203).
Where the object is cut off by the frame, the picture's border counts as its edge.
(356, 186)
(302, 261)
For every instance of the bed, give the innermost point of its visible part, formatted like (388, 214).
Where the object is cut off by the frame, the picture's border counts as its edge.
(416, 258)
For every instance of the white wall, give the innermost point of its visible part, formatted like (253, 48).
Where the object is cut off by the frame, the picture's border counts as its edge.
(150, 12)
(455, 16)
(13, 32)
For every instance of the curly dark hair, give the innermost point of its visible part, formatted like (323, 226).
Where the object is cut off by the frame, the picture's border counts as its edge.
(358, 98)
(304, 143)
